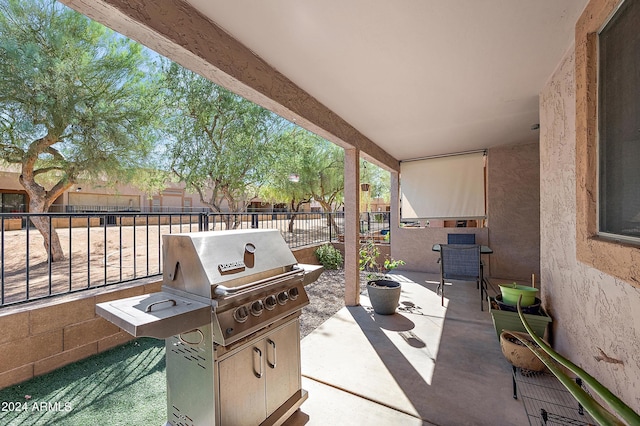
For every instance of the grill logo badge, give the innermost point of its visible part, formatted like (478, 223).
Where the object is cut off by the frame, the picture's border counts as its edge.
(231, 267)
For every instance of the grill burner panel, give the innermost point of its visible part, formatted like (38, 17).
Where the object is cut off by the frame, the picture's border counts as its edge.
(243, 317)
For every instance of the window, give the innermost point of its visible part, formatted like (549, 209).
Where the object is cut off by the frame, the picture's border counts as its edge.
(619, 125)
(155, 204)
(12, 203)
(614, 256)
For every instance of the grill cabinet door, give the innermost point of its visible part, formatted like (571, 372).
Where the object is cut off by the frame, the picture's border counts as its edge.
(246, 399)
(283, 379)
(242, 393)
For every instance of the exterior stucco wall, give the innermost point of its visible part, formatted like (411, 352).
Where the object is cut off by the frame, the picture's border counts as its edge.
(9, 180)
(413, 245)
(103, 194)
(513, 209)
(594, 313)
(513, 194)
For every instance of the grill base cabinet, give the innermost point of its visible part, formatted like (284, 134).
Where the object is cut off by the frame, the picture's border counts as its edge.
(259, 379)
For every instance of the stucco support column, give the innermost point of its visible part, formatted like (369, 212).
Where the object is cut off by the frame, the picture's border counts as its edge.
(394, 221)
(351, 226)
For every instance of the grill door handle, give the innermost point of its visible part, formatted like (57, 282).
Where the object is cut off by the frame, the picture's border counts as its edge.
(273, 345)
(257, 372)
(151, 305)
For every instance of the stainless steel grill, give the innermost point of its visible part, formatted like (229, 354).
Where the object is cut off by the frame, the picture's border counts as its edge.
(229, 311)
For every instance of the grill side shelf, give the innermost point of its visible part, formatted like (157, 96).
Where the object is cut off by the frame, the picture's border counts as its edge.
(158, 315)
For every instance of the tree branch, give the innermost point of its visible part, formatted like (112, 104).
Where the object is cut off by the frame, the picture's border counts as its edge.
(46, 170)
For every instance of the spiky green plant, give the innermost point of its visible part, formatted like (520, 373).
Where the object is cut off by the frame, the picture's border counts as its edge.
(554, 362)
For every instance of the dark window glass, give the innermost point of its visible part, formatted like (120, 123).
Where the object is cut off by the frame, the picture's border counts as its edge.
(13, 203)
(619, 123)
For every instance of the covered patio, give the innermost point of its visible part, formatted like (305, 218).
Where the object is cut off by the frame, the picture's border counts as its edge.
(393, 83)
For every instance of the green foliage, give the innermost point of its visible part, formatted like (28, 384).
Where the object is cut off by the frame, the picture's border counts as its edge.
(151, 181)
(370, 261)
(78, 101)
(329, 256)
(319, 166)
(220, 144)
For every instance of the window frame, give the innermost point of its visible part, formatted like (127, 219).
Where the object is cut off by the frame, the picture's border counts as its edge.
(613, 236)
(614, 257)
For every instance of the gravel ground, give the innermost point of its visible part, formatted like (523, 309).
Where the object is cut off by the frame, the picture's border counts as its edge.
(326, 297)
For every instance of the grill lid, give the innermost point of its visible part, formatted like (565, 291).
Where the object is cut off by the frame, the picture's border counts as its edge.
(198, 262)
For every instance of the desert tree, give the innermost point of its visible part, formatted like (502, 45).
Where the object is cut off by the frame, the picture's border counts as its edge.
(289, 182)
(76, 102)
(312, 170)
(221, 145)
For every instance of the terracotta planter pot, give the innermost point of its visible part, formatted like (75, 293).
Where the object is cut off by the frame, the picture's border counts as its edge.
(518, 354)
(384, 296)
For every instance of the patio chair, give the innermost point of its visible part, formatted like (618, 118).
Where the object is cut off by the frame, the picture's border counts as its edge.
(465, 239)
(460, 262)
(461, 238)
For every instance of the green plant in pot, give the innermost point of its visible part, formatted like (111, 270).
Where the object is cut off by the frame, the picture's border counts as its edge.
(384, 292)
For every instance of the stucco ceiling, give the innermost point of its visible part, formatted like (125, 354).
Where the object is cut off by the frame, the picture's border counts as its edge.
(417, 77)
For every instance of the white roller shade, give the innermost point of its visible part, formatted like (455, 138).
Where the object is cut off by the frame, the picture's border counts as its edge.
(443, 188)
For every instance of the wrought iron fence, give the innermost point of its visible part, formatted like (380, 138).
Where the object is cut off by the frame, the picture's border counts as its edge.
(106, 248)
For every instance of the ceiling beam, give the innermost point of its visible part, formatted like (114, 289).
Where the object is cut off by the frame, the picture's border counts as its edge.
(179, 32)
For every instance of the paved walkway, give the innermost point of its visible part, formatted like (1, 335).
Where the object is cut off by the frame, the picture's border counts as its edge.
(424, 365)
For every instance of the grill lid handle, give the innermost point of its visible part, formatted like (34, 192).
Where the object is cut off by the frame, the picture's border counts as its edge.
(174, 274)
(221, 290)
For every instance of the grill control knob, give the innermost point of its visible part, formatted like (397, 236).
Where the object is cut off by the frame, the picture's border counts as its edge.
(256, 308)
(293, 293)
(283, 297)
(270, 302)
(241, 314)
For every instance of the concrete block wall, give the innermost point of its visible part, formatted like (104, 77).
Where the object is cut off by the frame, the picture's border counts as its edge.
(307, 254)
(42, 336)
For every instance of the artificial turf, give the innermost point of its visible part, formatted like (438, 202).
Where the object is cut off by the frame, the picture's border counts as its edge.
(123, 386)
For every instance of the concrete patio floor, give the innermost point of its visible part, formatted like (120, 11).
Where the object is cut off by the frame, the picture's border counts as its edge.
(424, 365)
